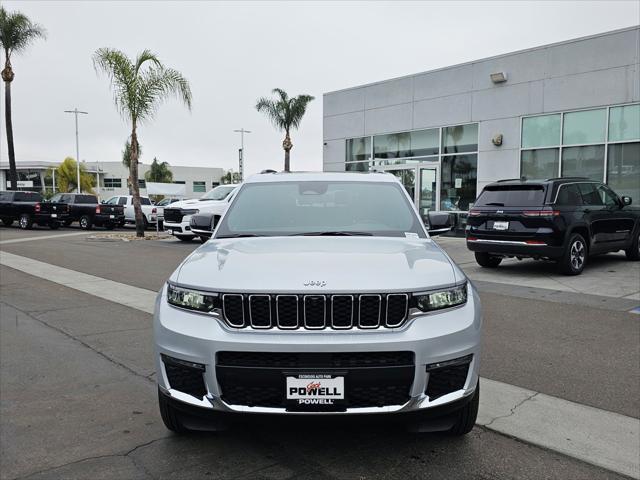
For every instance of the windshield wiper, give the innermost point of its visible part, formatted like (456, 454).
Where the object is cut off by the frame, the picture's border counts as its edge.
(240, 235)
(496, 204)
(336, 233)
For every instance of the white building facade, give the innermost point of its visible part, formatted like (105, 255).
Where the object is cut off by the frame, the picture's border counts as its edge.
(566, 109)
(113, 177)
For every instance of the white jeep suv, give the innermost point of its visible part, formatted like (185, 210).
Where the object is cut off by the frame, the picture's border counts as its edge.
(319, 294)
(177, 216)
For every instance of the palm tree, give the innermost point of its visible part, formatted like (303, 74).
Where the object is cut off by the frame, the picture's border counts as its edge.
(159, 172)
(139, 87)
(67, 180)
(17, 32)
(285, 113)
(126, 153)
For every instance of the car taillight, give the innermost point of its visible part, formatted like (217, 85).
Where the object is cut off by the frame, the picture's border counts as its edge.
(67, 207)
(474, 213)
(154, 210)
(541, 213)
(472, 239)
(37, 207)
(98, 209)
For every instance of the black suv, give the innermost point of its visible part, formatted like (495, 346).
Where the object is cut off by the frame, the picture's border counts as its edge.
(560, 219)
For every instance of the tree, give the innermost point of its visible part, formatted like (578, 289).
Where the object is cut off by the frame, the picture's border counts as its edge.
(67, 179)
(139, 87)
(230, 177)
(126, 153)
(159, 172)
(285, 113)
(17, 32)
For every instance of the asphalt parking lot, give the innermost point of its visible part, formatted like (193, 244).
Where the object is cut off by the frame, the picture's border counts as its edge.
(78, 398)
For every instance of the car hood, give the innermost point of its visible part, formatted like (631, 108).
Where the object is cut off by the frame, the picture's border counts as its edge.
(317, 264)
(195, 203)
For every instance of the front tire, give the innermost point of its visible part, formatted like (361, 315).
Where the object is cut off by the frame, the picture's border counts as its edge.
(575, 256)
(85, 222)
(25, 222)
(633, 252)
(169, 415)
(467, 415)
(487, 260)
(54, 225)
(203, 239)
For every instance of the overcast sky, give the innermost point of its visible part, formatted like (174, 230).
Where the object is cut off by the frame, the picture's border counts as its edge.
(233, 53)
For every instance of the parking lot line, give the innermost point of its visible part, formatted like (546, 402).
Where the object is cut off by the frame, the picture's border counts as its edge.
(593, 435)
(42, 237)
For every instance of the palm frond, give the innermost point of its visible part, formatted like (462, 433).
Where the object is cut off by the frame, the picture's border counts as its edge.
(281, 93)
(297, 109)
(17, 32)
(120, 71)
(284, 112)
(146, 56)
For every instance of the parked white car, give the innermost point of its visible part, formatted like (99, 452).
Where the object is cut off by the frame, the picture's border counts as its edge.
(165, 202)
(149, 211)
(177, 216)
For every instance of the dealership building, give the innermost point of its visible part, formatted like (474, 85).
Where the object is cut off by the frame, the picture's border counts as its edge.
(111, 177)
(565, 109)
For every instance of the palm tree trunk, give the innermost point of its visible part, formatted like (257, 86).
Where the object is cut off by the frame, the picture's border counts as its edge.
(133, 180)
(287, 145)
(7, 76)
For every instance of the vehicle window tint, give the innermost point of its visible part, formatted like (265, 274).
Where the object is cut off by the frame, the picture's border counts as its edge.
(67, 199)
(112, 201)
(511, 195)
(589, 194)
(569, 195)
(145, 201)
(86, 199)
(607, 196)
(27, 197)
(122, 201)
(5, 196)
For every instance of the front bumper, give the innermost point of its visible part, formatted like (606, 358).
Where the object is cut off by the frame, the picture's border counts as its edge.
(179, 229)
(434, 338)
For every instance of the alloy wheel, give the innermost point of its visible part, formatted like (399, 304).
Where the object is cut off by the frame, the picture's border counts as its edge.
(577, 254)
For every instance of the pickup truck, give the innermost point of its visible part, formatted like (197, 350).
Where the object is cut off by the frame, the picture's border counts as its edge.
(149, 211)
(85, 209)
(28, 208)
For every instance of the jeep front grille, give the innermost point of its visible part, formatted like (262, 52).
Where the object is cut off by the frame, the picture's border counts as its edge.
(315, 311)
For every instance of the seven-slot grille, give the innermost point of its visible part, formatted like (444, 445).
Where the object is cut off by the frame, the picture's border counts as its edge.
(315, 311)
(173, 215)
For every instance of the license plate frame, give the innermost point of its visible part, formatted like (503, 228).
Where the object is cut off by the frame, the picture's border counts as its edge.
(329, 394)
(501, 225)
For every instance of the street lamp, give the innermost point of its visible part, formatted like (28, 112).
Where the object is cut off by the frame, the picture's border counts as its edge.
(75, 111)
(242, 131)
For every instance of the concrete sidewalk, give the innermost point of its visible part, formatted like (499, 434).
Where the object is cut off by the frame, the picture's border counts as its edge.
(610, 275)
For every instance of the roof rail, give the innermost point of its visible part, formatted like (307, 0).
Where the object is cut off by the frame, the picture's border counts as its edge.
(512, 180)
(569, 178)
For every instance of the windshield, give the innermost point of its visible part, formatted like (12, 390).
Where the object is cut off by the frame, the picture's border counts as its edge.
(219, 193)
(511, 196)
(320, 208)
(112, 201)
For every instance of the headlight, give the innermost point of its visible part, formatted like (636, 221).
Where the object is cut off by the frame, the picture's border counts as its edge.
(192, 299)
(443, 299)
(191, 211)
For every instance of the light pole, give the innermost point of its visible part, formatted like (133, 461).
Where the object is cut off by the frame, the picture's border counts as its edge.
(242, 131)
(75, 111)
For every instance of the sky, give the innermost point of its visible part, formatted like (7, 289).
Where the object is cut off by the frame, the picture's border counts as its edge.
(232, 53)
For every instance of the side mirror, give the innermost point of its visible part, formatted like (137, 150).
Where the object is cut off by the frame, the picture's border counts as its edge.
(626, 200)
(438, 222)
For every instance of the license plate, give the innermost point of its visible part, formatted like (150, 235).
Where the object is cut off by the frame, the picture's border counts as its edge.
(315, 389)
(501, 225)
(112, 216)
(54, 215)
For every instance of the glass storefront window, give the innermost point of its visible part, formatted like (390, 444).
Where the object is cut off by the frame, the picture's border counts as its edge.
(460, 139)
(425, 142)
(587, 126)
(541, 131)
(393, 145)
(458, 182)
(587, 161)
(540, 163)
(358, 149)
(623, 169)
(624, 123)
(357, 167)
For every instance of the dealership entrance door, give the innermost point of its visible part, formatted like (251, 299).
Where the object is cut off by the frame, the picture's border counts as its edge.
(421, 182)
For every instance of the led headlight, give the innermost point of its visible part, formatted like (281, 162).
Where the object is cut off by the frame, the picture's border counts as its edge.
(191, 299)
(443, 299)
